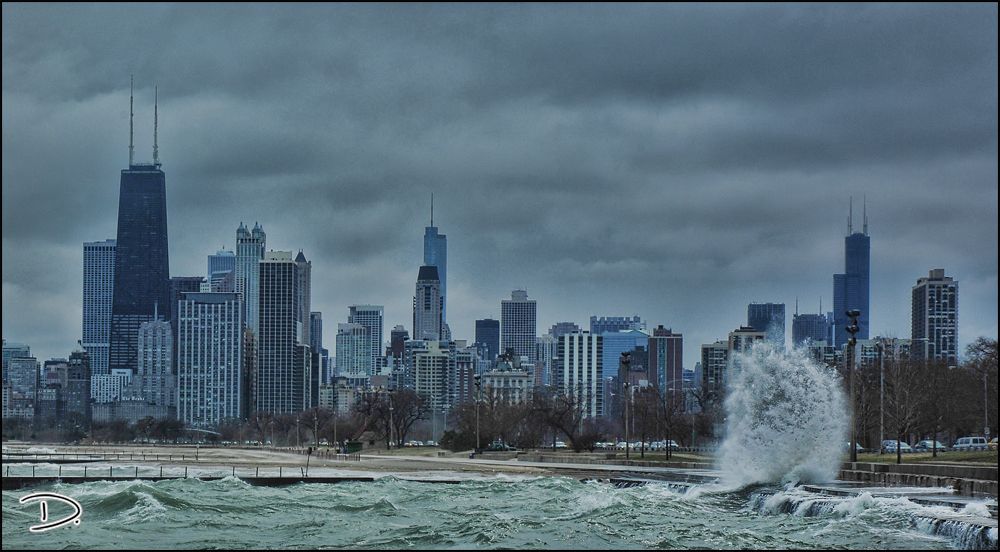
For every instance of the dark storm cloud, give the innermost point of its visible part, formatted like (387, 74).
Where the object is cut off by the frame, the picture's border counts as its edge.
(673, 161)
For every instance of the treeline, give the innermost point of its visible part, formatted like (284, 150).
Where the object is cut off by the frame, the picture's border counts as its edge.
(912, 400)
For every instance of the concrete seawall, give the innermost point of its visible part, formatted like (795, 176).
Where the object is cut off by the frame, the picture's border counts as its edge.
(965, 480)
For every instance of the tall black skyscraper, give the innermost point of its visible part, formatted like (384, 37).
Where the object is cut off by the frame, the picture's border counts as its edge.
(850, 289)
(488, 333)
(142, 273)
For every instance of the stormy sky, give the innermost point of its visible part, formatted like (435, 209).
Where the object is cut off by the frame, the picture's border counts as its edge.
(671, 161)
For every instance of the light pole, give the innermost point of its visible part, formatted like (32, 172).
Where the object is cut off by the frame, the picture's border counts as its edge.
(391, 423)
(296, 432)
(881, 395)
(628, 444)
(852, 329)
(479, 396)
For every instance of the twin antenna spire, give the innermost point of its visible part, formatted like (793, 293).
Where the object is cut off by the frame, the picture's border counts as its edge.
(131, 123)
(850, 216)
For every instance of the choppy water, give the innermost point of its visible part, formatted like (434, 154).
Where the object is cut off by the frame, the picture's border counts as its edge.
(543, 512)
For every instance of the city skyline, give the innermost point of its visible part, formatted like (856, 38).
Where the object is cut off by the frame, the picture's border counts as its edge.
(684, 259)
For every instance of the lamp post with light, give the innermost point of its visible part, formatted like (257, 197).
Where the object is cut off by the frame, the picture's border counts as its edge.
(852, 329)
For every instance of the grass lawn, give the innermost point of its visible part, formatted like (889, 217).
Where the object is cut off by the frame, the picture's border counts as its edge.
(971, 457)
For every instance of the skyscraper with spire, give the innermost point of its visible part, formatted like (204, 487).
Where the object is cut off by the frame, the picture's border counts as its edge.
(142, 274)
(436, 254)
(851, 289)
(249, 252)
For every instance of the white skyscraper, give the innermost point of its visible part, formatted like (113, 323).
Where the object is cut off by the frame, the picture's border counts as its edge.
(517, 325)
(154, 379)
(354, 357)
(98, 292)
(210, 379)
(579, 371)
(371, 317)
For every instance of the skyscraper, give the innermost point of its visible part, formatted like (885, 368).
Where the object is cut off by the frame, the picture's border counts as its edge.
(436, 254)
(578, 371)
(850, 289)
(488, 333)
(98, 294)
(249, 252)
(209, 359)
(935, 318)
(666, 359)
(142, 266)
(811, 327)
(281, 379)
(428, 305)
(303, 294)
(770, 319)
(154, 380)
(617, 342)
(714, 365)
(354, 353)
(397, 342)
(371, 317)
(13, 350)
(222, 271)
(518, 324)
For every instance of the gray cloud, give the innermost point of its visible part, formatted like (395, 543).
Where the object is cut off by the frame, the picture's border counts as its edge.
(673, 161)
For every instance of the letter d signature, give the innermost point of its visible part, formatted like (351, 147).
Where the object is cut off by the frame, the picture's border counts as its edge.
(73, 518)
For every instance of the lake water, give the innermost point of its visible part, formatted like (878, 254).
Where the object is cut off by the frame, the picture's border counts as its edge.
(501, 512)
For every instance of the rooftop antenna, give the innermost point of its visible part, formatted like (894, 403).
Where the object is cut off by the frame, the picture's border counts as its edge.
(821, 304)
(131, 115)
(432, 209)
(850, 217)
(796, 305)
(156, 125)
(864, 209)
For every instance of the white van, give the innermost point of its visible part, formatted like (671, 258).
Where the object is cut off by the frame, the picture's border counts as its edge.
(970, 443)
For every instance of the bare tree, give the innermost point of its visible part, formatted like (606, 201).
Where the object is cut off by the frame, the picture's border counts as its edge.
(564, 413)
(903, 397)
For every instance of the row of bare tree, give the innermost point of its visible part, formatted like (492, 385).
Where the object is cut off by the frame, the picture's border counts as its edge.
(909, 400)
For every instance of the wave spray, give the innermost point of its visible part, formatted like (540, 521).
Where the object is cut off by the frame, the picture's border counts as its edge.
(786, 419)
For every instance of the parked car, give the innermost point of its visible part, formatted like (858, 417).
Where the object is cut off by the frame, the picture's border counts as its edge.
(992, 444)
(858, 447)
(928, 445)
(560, 445)
(500, 445)
(970, 443)
(662, 445)
(889, 446)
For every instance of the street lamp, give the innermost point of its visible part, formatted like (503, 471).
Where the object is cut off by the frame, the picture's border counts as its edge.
(479, 396)
(628, 396)
(881, 394)
(852, 329)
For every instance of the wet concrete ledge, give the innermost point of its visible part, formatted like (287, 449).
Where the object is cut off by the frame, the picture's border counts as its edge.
(962, 486)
